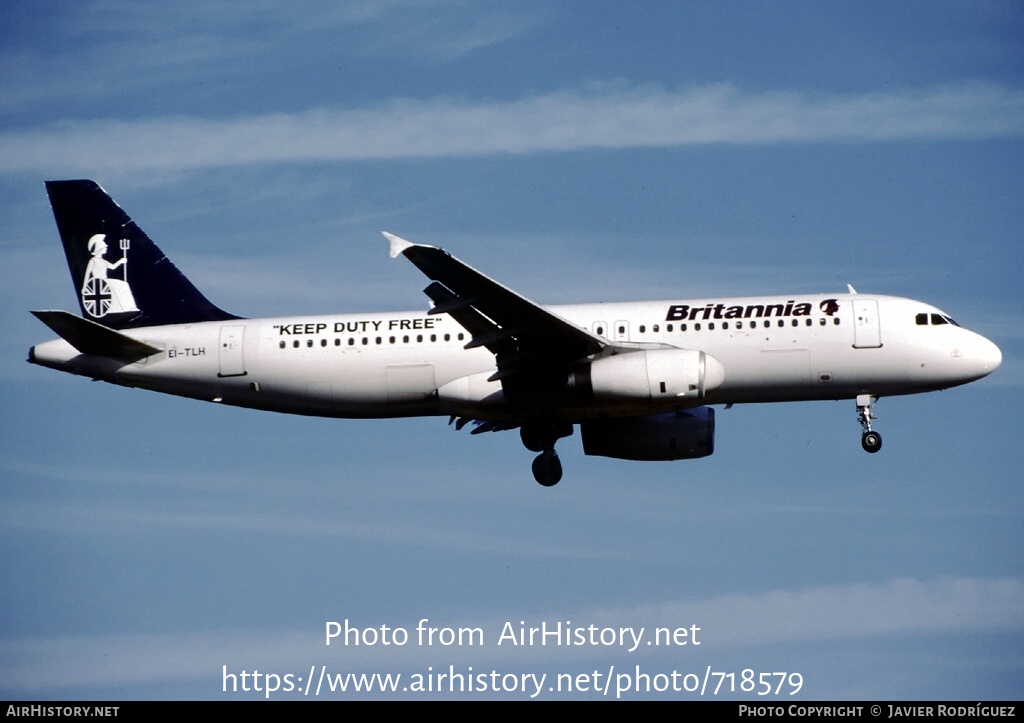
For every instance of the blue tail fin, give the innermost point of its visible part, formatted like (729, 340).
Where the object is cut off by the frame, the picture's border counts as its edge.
(122, 279)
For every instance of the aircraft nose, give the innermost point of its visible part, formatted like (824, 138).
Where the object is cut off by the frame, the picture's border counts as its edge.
(988, 355)
(979, 357)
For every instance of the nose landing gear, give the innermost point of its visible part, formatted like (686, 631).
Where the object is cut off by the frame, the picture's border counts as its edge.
(871, 441)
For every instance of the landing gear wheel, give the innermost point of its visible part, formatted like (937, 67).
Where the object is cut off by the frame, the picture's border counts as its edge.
(547, 469)
(871, 442)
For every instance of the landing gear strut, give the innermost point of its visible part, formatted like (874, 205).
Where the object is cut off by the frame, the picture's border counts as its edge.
(871, 441)
(539, 436)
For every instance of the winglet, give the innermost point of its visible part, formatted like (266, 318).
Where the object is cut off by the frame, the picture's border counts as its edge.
(398, 245)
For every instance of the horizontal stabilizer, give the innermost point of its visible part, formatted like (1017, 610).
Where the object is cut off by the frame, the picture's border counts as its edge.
(89, 337)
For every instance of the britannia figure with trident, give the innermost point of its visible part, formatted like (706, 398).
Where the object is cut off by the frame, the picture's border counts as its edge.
(102, 295)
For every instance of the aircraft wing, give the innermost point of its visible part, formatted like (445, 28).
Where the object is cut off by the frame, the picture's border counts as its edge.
(533, 347)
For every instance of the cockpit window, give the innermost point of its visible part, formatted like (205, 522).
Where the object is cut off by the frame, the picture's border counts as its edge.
(936, 320)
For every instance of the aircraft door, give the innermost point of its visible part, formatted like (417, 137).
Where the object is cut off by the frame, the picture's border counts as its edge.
(867, 333)
(620, 332)
(230, 357)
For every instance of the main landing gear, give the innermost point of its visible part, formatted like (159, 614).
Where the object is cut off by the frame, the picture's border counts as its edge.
(871, 441)
(540, 436)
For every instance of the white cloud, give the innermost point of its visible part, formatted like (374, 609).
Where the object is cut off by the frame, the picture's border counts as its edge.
(111, 48)
(86, 519)
(558, 122)
(844, 611)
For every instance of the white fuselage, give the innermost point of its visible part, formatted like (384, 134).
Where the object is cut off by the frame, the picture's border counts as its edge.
(411, 363)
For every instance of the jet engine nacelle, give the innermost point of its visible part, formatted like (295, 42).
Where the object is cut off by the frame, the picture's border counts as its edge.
(651, 374)
(660, 437)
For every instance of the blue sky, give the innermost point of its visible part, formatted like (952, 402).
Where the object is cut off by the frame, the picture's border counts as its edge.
(577, 152)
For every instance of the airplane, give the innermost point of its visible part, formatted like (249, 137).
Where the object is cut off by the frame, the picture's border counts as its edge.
(637, 378)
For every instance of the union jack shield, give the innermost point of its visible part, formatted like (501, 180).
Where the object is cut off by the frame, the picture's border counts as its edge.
(96, 297)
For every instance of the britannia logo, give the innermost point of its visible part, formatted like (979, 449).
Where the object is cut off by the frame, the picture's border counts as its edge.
(102, 295)
(829, 307)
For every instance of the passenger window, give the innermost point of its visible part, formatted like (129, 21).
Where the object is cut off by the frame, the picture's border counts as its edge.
(642, 329)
